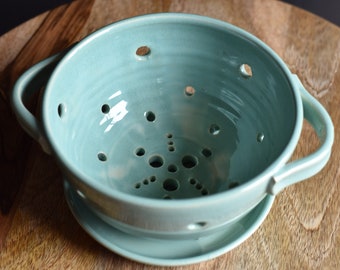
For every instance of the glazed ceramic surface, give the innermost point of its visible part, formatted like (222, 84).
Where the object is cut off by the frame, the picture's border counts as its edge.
(167, 252)
(173, 125)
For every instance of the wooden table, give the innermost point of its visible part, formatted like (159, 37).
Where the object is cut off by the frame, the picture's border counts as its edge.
(38, 231)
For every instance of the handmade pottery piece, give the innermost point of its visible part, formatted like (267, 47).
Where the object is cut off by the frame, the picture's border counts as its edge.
(172, 126)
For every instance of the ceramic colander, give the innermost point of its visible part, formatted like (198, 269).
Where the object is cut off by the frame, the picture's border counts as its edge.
(173, 125)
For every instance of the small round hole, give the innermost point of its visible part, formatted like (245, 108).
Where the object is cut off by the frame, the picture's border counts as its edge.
(189, 161)
(106, 108)
(170, 143)
(260, 137)
(192, 181)
(145, 181)
(167, 197)
(138, 185)
(172, 168)
(143, 51)
(169, 135)
(170, 184)
(214, 129)
(197, 225)
(140, 151)
(204, 192)
(189, 91)
(150, 116)
(61, 110)
(102, 156)
(156, 161)
(199, 186)
(171, 148)
(233, 184)
(206, 152)
(152, 179)
(246, 71)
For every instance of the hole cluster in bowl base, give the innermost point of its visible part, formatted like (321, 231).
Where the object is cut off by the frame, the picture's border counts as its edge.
(183, 165)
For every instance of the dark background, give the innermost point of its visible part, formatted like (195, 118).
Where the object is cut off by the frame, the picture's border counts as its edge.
(14, 12)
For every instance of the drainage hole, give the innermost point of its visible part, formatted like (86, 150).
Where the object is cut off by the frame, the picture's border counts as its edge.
(189, 161)
(101, 156)
(192, 181)
(61, 110)
(197, 225)
(150, 116)
(145, 181)
(172, 168)
(106, 108)
(169, 135)
(199, 186)
(214, 129)
(170, 184)
(143, 51)
(170, 143)
(206, 152)
(233, 184)
(204, 192)
(152, 179)
(246, 71)
(189, 91)
(140, 151)
(171, 148)
(156, 161)
(138, 185)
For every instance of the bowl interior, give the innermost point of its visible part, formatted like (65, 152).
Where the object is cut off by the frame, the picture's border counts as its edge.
(169, 109)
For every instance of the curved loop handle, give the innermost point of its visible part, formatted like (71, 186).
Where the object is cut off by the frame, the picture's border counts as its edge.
(306, 167)
(30, 82)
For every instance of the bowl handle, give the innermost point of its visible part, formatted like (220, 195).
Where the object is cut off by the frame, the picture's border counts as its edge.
(308, 166)
(29, 83)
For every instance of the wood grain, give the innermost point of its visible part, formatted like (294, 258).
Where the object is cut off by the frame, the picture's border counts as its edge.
(37, 230)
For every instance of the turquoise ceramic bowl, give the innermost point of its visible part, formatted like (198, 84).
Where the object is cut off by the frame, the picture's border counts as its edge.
(173, 125)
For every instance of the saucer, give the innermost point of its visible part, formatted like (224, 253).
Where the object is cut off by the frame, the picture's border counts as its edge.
(165, 252)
